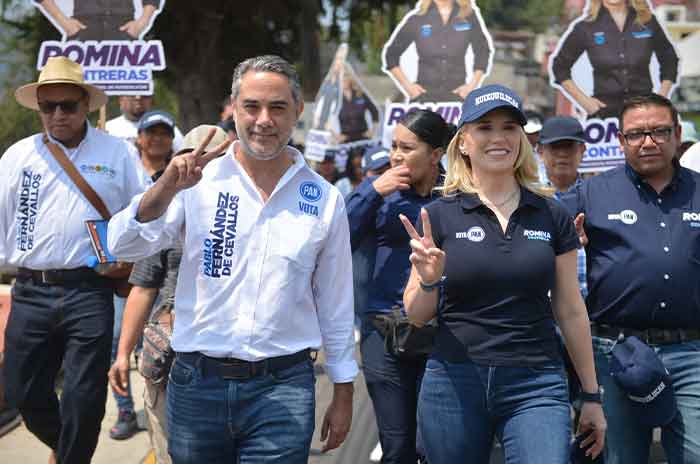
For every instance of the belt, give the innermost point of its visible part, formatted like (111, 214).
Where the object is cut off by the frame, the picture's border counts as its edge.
(78, 277)
(238, 369)
(649, 336)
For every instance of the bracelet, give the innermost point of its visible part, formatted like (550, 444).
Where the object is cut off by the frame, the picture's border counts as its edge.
(430, 287)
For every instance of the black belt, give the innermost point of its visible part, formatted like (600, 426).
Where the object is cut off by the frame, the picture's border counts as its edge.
(238, 369)
(78, 277)
(649, 336)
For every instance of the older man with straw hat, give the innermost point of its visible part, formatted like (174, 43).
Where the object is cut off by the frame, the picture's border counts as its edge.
(62, 312)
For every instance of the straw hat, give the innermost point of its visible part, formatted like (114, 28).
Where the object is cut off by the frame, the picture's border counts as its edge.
(199, 134)
(60, 70)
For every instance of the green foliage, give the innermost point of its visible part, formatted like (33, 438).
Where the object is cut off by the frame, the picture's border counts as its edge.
(528, 15)
(16, 122)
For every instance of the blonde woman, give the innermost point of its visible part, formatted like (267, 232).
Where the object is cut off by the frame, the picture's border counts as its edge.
(492, 249)
(443, 31)
(619, 37)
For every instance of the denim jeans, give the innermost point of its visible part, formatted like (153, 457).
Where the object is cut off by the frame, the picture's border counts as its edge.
(463, 405)
(628, 440)
(266, 419)
(50, 326)
(393, 386)
(124, 403)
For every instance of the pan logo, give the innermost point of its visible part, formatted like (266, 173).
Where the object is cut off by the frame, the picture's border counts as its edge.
(310, 191)
(476, 234)
(626, 216)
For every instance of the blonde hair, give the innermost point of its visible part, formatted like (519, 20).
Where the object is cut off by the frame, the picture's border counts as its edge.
(465, 7)
(460, 177)
(644, 14)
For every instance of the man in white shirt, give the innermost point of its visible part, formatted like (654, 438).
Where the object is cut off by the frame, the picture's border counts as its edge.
(126, 126)
(265, 277)
(61, 310)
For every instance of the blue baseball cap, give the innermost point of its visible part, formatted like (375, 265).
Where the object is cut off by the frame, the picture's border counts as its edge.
(639, 372)
(153, 118)
(561, 128)
(375, 157)
(488, 98)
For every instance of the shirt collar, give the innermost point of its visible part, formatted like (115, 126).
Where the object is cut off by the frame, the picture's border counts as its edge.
(675, 180)
(471, 201)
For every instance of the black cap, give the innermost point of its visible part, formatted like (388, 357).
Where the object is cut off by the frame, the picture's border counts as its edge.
(561, 128)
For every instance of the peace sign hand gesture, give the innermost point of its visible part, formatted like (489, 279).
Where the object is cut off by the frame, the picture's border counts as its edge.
(185, 171)
(427, 259)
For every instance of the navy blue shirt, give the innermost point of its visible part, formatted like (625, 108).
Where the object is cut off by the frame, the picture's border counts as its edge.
(496, 305)
(370, 214)
(643, 252)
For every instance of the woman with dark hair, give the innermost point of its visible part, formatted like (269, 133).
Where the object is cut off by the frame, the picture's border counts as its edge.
(484, 262)
(373, 208)
(353, 172)
(619, 37)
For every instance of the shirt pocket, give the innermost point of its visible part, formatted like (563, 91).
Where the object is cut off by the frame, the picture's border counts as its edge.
(295, 241)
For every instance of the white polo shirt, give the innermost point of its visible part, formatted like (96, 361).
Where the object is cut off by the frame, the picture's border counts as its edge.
(256, 279)
(129, 130)
(42, 220)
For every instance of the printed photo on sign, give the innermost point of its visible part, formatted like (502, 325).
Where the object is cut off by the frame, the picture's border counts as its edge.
(345, 115)
(613, 51)
(106, 39)
(439, 54)
(105, 20)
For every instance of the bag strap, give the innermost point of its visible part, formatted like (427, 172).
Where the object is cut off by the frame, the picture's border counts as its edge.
(80, 182)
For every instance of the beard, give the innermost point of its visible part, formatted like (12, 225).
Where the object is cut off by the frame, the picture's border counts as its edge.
(258, 155)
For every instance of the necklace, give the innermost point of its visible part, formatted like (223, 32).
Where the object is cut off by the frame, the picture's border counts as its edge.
(504, 202)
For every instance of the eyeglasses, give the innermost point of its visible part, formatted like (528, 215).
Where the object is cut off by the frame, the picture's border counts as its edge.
(660, 135)
(67, 106)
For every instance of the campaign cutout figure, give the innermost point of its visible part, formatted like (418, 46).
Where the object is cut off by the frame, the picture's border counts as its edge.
(439, 52)
(615, 50)
(345, 114)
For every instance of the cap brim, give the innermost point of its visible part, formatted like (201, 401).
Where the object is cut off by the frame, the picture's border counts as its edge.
(547, 141)
(520, 116)
(26, 95)
(532, 127)
(659, 412)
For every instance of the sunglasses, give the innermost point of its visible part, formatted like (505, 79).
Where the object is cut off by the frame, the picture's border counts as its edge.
(67, 106)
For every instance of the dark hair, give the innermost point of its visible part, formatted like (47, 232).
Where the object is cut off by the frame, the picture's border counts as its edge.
(429, 127)
(646, 100)
(349, 168)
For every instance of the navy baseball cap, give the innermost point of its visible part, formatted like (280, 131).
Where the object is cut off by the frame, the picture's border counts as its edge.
(639, 372)
(375, 157)
(561, 128)
(153, 118)
(488, 98)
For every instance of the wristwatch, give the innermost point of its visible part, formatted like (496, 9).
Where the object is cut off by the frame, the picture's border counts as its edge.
(596, 397)
(430, 287)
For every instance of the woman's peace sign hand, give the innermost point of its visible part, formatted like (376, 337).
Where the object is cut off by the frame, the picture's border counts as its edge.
(428, 260)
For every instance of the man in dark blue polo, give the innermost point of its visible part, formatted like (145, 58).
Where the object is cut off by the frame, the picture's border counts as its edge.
(641, 227)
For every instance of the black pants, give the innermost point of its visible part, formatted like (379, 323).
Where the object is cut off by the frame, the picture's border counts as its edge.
(50, 326)
(393, 385)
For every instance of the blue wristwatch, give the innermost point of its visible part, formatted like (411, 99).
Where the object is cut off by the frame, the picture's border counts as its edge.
(430, 287)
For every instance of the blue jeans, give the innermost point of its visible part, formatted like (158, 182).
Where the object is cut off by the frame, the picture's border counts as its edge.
(393, 386)
(266, 419)
(50, 326)
(124, 403)
(463, 405)
(627, 439)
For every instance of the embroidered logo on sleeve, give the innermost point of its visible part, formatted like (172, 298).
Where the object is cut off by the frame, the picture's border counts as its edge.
(218, 249)
(27, 210)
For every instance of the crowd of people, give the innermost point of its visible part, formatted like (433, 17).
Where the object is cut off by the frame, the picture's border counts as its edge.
(465, 280)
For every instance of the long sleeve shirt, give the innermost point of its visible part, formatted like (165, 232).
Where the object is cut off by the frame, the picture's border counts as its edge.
(258, 279)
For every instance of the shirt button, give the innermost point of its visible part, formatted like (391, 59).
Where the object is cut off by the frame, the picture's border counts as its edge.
(662, 224)
(508, 237)
(639, 186)
(666, 249)
(662, 304)
(666, 276)
(659, 200)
